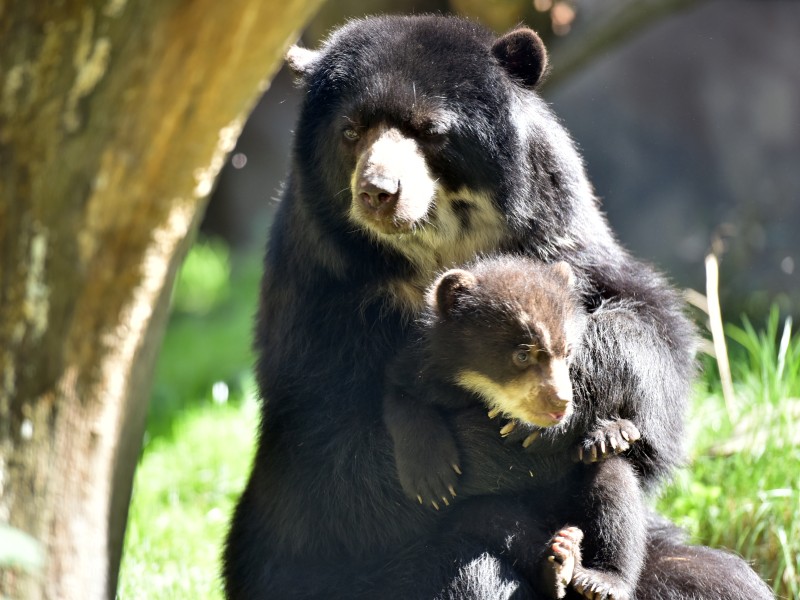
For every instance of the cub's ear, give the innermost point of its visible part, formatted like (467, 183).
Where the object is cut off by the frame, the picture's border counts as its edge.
(301, 60)
(449, 289)
(522, 54)
(563, 270)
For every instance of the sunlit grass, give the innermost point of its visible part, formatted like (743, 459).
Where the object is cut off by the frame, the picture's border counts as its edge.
(185, 489)
(741, 490)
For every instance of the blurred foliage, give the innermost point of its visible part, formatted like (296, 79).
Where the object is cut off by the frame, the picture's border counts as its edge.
(209, 335)
(548, 17)
(18, 549)
(203, 282)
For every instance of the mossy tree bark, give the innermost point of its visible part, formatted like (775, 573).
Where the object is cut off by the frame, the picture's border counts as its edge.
(115, 118)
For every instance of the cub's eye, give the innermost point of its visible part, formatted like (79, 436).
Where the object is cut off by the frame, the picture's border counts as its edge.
(522, 357)
(351, 134)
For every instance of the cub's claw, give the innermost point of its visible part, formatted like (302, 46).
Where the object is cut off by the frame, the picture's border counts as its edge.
(508, 428)
(530, 439)
(435, 489)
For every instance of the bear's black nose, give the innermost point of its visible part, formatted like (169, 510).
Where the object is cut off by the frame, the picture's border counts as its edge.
(376, 196)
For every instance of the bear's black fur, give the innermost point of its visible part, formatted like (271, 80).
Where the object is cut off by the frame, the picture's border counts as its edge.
(421, 144)
(502, 332)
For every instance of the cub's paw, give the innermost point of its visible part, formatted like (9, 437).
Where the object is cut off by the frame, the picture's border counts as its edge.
(563, 556)
(613, 438)
(599, 585)
(429, 475)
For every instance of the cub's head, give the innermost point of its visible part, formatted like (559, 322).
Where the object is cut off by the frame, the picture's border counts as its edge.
(408, 132)
(506, 329)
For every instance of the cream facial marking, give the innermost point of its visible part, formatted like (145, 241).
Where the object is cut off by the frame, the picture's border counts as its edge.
(521, 398)
(559, 375)
(391, 186)
(441, 241)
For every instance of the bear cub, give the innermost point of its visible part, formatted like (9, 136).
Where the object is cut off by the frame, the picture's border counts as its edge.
(503, 332)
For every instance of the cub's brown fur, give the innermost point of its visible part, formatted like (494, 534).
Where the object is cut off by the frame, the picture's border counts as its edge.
(503, 332)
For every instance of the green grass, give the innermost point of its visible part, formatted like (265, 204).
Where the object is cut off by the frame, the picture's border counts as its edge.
(740, 490)
(185, 490)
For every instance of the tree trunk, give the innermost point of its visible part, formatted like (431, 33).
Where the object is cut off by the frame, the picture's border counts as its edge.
(115, 118)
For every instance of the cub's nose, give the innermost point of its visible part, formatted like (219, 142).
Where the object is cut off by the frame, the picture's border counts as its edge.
(377, 196)
(560, 401)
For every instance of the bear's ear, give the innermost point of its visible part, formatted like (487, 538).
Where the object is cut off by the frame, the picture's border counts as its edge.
(449, 289)
(301, 60)
(522, 54)
(563, 270)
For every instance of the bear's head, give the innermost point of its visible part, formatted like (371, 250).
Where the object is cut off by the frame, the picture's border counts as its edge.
(507, 329)
(417, 130)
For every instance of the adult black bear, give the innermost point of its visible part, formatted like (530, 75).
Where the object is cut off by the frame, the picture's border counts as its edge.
(502, 332)
(421, 144)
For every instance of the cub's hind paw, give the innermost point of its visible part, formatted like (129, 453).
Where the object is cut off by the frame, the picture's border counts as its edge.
(613, 438)
(562, 558)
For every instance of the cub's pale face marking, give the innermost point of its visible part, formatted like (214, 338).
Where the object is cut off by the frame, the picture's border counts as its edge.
(539, 397)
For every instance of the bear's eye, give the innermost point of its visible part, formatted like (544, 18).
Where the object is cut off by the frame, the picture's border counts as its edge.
(351, 134)
(432, 131)
(522, 357)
